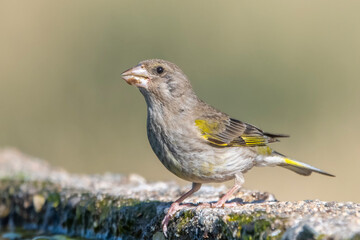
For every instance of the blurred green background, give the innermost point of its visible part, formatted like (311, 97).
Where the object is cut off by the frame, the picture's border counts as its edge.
(285, 66)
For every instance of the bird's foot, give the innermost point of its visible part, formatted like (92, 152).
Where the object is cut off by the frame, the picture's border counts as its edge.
(204, 205)
(221, 204)
(172, 210)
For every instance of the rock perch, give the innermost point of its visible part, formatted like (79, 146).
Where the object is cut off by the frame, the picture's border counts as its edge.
(35, 195)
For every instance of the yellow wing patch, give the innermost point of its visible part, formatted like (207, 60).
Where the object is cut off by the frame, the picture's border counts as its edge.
(208, 129)
(222, 135)
(254, 140)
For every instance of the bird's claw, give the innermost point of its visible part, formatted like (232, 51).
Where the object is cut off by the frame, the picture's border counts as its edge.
(172, 210)
(165, 222)
(222, 205)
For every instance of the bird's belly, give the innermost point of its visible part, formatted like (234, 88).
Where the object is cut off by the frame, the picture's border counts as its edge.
(196, 161)
(203, 164)
(219, 165)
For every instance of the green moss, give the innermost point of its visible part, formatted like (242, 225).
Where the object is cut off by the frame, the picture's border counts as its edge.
(125, 202)
(321, 236)
(54, 198)
(250, 226)
(240, 218)
(184, 219)
(76, 211)
(86, 214)
(133, 214)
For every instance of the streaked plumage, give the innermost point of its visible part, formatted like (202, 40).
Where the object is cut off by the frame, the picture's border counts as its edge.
(229, 132)
(197, 142)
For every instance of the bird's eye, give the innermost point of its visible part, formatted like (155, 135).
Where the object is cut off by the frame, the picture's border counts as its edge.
(159, 70)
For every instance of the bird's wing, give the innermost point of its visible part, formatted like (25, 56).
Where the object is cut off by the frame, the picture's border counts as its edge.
(230, 132)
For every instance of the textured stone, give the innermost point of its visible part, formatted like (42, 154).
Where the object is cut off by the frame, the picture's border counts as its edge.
(35, 195)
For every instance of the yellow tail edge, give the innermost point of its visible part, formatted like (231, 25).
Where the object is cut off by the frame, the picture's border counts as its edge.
(302, 168)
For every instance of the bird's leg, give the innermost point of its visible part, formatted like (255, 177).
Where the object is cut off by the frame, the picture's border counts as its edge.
(221, 202)
(239, 180)
(176, 206)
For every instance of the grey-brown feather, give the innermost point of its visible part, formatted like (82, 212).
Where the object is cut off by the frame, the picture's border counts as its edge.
(173, 108)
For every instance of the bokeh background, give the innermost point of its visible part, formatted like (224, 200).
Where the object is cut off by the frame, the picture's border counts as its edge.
(285, 66)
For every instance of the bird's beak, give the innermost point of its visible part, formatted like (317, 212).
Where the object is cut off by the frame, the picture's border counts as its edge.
(137, 76)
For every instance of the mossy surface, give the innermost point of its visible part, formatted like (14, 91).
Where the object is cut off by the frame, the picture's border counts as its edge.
(185, 219)
(45, 206)
(258, 225)
(36, 196)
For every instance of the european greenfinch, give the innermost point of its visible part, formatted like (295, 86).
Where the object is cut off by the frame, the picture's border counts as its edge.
(197, 142)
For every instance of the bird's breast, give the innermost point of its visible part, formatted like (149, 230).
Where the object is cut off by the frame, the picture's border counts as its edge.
(183, 152)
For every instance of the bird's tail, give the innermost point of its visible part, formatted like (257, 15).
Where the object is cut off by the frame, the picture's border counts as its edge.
(302, 168)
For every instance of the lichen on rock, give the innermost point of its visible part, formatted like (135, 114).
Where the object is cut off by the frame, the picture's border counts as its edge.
(35, 195)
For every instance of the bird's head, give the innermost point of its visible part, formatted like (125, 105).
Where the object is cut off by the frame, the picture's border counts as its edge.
(160, 79)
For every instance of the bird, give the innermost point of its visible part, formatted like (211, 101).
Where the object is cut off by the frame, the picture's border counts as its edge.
(197, 142)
